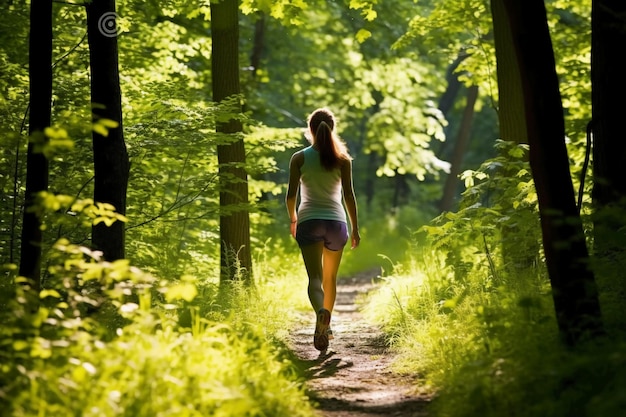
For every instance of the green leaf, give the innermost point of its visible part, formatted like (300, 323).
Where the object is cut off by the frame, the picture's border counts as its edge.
(362, 35)
(108, 123)
(56, 133)
(100, 129)
(49, 293)
(20, 345)
(184, 291)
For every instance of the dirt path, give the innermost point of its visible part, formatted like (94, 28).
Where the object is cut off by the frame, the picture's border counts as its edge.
(353, 379)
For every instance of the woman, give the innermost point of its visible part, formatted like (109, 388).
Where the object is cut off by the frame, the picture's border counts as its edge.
(323, 173)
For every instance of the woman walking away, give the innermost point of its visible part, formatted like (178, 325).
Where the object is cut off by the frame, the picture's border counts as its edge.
(323, 173)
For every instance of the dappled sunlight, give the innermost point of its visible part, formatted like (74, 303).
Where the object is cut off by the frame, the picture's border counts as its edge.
(150, 154)
(354, 374)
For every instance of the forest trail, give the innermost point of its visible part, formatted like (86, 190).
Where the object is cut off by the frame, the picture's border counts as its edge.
(353, 377)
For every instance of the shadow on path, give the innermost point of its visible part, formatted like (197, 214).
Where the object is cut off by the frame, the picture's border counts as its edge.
(410, 407)
(353, 378)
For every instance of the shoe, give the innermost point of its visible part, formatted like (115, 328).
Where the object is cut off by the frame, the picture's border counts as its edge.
(320, 338)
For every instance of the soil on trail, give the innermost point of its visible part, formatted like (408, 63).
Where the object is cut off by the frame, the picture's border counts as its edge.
(353, 377)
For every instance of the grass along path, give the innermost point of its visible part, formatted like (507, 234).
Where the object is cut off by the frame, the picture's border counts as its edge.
(353, 377)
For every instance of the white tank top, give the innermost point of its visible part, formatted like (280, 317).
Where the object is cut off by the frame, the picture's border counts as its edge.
(321, 193)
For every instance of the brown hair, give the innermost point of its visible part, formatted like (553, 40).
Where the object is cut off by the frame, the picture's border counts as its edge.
(331, 148)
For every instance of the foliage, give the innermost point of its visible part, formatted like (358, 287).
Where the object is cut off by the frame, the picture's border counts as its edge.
(398, 125)
(479, 323)
(386, 241)
(480, 327)
(384, 100)
(498, 211)
(143, 363)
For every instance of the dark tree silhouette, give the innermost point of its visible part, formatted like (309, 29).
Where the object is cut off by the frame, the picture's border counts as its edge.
(111, 165)
(517, 253)
(460, 147)
(235, 255)
(573, 285)
(608, 89)
(40, 73)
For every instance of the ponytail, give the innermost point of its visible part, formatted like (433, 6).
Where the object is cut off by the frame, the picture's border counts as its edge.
(331, 149)
(326, 146)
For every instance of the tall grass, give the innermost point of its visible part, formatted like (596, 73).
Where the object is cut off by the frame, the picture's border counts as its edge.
(108, 340)
(494, 351)
(472, 314)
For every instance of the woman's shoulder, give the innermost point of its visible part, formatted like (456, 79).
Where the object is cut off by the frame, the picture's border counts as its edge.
(345, 162)
(298, 157)
(299, 153)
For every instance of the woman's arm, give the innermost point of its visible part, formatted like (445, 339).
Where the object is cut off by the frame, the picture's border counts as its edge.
(350, 201)
(292, 189)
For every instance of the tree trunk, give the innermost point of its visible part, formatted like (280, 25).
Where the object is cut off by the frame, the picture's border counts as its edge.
(40, 73)
(448, 98)
(454, 85)
(511, 118)
(609, 149)
(460, 146)
(573, 285)
(517, 253)
(401, 190)
(258, 44)
(235, 254)
(608, 90)
(111, 165)
(372, 163)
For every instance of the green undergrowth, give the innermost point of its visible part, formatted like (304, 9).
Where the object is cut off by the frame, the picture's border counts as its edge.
(494, 351)
(385, 241)
(106, 339)
(471, 314)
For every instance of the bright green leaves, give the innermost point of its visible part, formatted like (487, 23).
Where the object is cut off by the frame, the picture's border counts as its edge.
(288, 12)
(185, 289)
(65, 209)
(400, 131)
(53, 141)
(200, 9)
(49, 293)
(362, 35)
(469, 177)
(104, 213)
(82, 373)
(367, 8)
(102, 126)
(499, 205)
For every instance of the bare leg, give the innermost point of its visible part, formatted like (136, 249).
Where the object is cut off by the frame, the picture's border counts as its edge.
(312, 256)
(321, 265)
(330, 260)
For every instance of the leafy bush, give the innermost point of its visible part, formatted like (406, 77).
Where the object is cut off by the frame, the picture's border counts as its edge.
(105, 339)
(473, 313)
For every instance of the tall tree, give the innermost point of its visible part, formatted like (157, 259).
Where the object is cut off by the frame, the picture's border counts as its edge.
(608, 90)
(460, 146)
(235, 254)
(449, 97)
(608, 35)
(40, 73)
(511, 125)
(111, 164)
(573, 285)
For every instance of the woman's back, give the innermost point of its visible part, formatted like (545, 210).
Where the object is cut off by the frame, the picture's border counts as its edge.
(321, 192)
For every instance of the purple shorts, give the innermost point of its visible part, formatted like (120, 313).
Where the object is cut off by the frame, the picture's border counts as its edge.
(333, 233)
